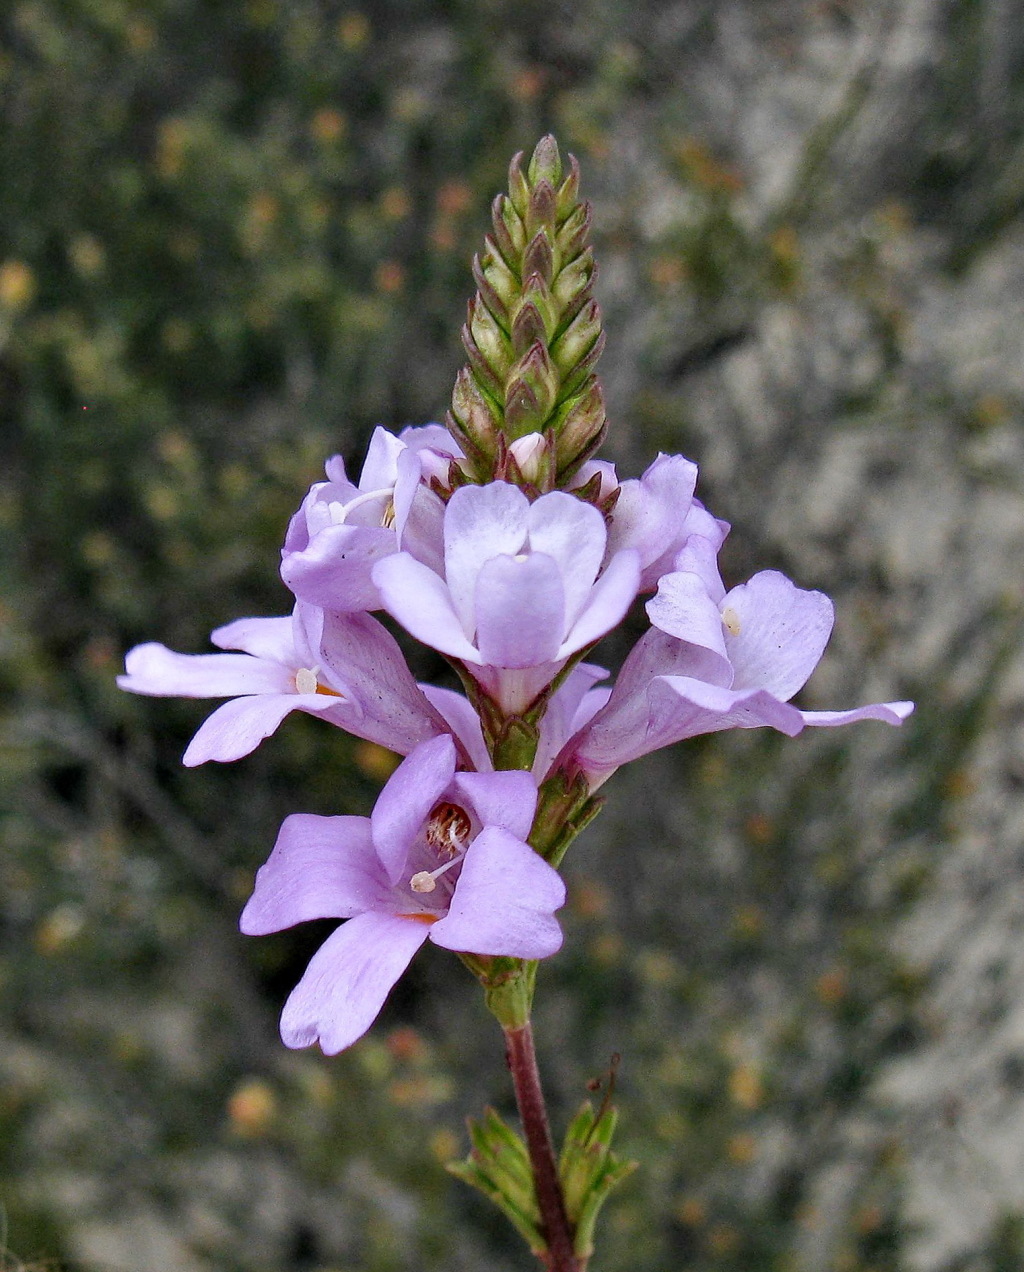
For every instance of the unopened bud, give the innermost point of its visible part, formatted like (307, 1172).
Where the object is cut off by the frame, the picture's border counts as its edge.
(518, 184)
(540, 214)
(580, 430)
(539, 259)
(436, 466)
(568, 192)
(531, 393)
(524, 408)
(545, 163)
(578, 339)
(490, 340)
(501, 241)
(532, 456)
(529, 326)
(509, 230)
(495, 281)
(572, 236)
(472, 420)
(570, 290)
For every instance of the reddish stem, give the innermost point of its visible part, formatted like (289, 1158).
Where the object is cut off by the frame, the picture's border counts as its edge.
(522, 1062)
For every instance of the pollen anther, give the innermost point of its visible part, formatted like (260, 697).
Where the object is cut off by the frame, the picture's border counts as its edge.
(731, 621)
(448, 829)
(426, 880)
(305, 680)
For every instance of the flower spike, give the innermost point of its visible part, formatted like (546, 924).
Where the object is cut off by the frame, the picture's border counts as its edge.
(533, 333)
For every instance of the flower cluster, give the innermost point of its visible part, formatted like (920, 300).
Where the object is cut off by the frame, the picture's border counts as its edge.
(513, 592)
(501, 543)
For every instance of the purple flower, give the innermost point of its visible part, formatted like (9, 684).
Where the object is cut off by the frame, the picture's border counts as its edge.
(657, 513)
(341, 530)
(715, 660)
(345, 668)
(520, 589)
(443, 855)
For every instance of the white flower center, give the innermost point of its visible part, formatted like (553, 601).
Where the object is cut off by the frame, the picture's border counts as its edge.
(731, 621)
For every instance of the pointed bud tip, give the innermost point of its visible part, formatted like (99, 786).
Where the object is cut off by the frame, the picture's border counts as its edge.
(545, 162)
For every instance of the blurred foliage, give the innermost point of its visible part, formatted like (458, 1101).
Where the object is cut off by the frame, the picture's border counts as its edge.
(233, 237)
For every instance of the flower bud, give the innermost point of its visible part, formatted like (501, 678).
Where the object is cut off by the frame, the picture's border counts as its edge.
(581, 430)
(578, 339)
(532, 456)
(545, 163)
(509, 231)
(487, 337)
(568, 192)
(472, 422)
(436, 467)
(497, 285)
(572, 237)
(540, 212)
(518, 185)
(571, 288)
(539, 259)
(531, 323)
(531, 392)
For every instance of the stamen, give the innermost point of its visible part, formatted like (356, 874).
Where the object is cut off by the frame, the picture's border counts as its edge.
(340, 512)
(426, 880)
(731, 621)
(305, 679)
(448, 830)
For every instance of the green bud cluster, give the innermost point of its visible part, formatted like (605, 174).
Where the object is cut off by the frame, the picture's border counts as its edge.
(533, 335)
(589, 1170)
(499, 1166)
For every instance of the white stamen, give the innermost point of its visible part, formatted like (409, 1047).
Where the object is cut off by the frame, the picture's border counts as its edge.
(520, 557)
(731, 620)
(306, 680)
(340, 512)
(425, 880)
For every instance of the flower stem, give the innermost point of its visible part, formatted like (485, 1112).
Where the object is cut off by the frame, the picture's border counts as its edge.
(522, 1063)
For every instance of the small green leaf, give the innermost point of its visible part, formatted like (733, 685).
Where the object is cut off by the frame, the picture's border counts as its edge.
(499, 1167)
(589, 1170)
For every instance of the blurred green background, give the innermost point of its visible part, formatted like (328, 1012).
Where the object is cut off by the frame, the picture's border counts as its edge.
(236, 236)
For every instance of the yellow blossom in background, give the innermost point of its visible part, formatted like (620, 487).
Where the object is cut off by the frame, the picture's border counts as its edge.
(252, 1108)
(17, 284)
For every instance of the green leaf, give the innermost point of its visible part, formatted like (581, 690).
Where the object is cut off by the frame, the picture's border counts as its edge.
(589, 1170)
(499, 1167)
